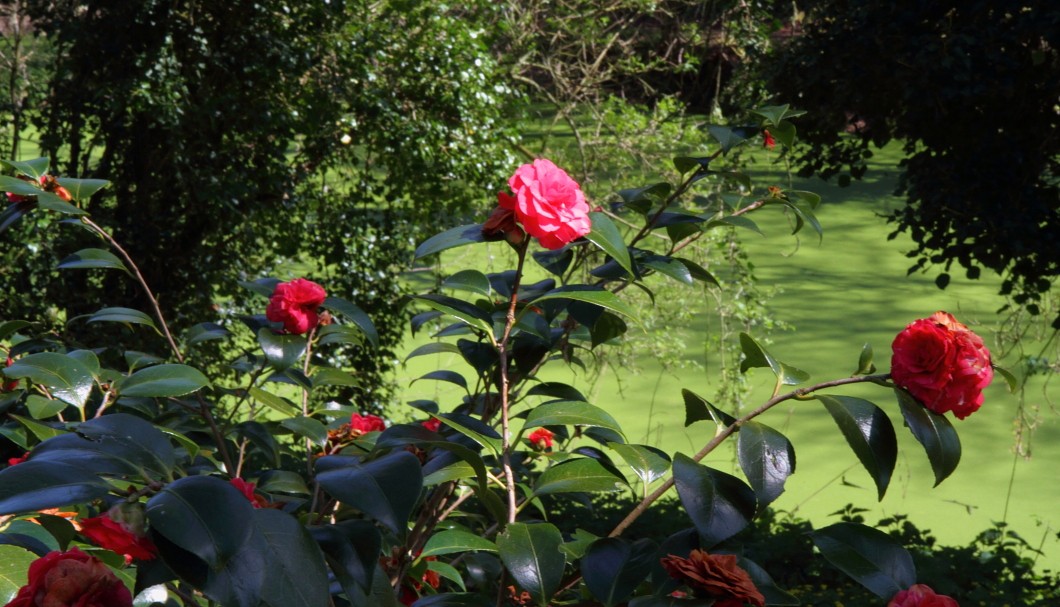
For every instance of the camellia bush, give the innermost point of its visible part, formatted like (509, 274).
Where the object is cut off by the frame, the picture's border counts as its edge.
(133, 474)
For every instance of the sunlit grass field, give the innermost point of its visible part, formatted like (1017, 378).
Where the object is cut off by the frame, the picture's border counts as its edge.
(848, 289)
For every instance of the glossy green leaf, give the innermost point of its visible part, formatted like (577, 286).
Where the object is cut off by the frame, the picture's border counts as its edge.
(163, 380)
(282, 351)
(308, 427)
(869, 433)
(297, 575)
(274, 402)
(39, 485)
(14, 185)
(591, 295)
(471, 281)
(66, 378)
(31, 168)
(386, 489)
(41, 431)
(934, 432)
(577, 475)
(262, 286)
(648, 463)
(327, 376)
(727, 137)
(455, 237)
(773, 594)
(190, 447)
(42, 408)
(453, 472)
(613, 567)
(766, 458)
(738, 221)
(571, 413)
(10, 327)
(351, 549)
(435, 347)
(684, 164)
(484, 436)
(130, 439)
(643, 197)
(205, 332)
(865, 365)
(606, 236)
(719, 504)
(355, 315)
(444, 375)
(1010, 380)
(92, 258)
(669, 267)
(203, 515)
(125, 315)
(532, 555)
(699, 409)
(873, 558)
(82, 189)
(51, 202)
(454, 541)
(757, 356)
(784, 131)
(461, 310)
(14, 571)
(558, 390)
(773, 114)
(698, 272)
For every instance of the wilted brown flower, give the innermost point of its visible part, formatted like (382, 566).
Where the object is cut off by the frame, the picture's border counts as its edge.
(714, 576)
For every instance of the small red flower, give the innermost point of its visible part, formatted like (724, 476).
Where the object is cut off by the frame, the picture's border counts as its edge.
(248, 491)
(9, 386)
(296, 305)
(71, 579)
(105, 532)
(767, 140)
(502, 224)
(921, 595)
(541, 439)
(11, 461)
(363, 424)
(433, 424)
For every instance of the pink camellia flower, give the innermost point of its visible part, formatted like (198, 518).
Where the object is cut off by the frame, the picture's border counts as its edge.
(295, 304)
(920, 595)
(119, 537)
(248, 491)
(363, 424)
(541, 439)
(767, 140)
(943, 364)
(71, 579)
(548, 203)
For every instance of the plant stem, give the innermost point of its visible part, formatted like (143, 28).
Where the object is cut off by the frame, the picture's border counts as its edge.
(505, 384)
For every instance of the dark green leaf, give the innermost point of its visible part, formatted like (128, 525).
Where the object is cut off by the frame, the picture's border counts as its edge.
(453, 599)
(14, 570)
(452, 541)
(203, 515)
(475, 430)
(51, 202)
(125, 315)
(869, 433)
(767, 458)
(82, 189)
(14, 185)
(461, 310)
(274, 402)
(727, 137)
(668, 266)
(698, 272)
(262, 286)
(205, 332)
(443, 375)
(775, 113)
(297, 576)
(10, 327)
(874, 559)
(327, 376)
(43, 408)
(132, 439)
(31, 168)
(684, 164)
(588, 294)
(556, 390)
(757, 356)
(784, 131)
(613, 568)
(386, 489)
(648, 463)
(92, 258)
(34, 485)
(308, 427)
(571, 413)
(698, 409)
(765, 584)
(605, 235)
(351, 549)
(472, 281)
(738, 221)
(356, 315)
(646, 195)
(719, 504)
(577, 475)
(532, 555)
(435, 347)
(456, 237)
(163, 380)
(282, 351)
(934, 432)
(41, 431)
(67, 378)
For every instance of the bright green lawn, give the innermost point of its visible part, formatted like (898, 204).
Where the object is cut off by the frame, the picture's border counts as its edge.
(850, 289)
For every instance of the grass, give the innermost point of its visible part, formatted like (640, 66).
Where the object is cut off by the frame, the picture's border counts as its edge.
(847, 290)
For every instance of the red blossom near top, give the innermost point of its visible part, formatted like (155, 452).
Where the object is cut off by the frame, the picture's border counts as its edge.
(714, 576)
(107, 533)
(767, 140)
(433, 424)
(248, 491)
(71, 579)
(363, 424)
(11, 461)
(9, 386)
(921, 595)
(943, 364)
(295, 304)
(548, 203)
(541, 439)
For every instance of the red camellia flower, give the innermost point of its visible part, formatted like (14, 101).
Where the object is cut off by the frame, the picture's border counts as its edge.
(71, 579)
(295, 304)
(363, 424)
(501, 224)
(541, 439)
(548, 203)
(433, 424)
(920, 595)
(105, 532)
(714, 576)
(9, 386)
(767, 140)
(247, 489)
(12, 461)
(943, 364)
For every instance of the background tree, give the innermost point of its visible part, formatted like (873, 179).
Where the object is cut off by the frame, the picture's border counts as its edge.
(971, 90)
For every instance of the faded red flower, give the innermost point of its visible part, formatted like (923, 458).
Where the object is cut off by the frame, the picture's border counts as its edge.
(541, 439)
(50, 184)
(434, 424)
(119, 537)
(248, 491)
(714, 576)
(71, 579)
(548, 203)
(943, 364)
(363, 424)
(767, 140)
(502, 224)
(920, 595)
(295, 304)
